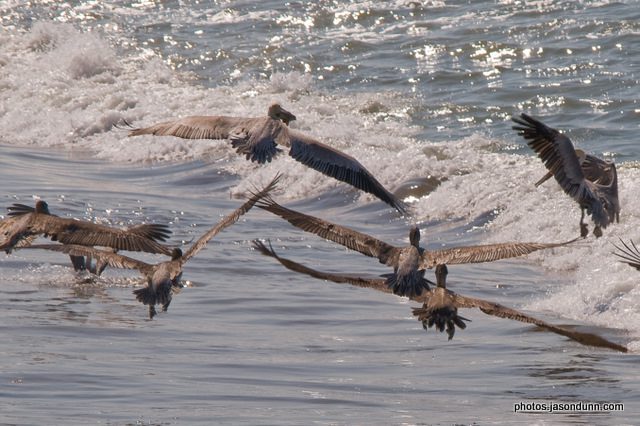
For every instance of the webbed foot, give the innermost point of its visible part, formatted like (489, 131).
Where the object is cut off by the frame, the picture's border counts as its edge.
(441, 318)
(597, 231)
(584, 230)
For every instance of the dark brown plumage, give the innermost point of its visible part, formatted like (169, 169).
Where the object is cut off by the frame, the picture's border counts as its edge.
(164, 277)
(258, 139)
(590, 181)
(440, 305)
(440, 309)
(629, 254)
(19, 229)
(409, 263)
(155, 232)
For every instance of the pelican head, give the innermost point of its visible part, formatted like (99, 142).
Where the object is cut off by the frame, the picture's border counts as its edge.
(278, 113)
(42, 207)
(176, 254)
(441, 275)
(414, 236)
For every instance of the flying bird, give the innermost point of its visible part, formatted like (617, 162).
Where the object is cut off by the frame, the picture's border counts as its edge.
(440, 305)
(258, 139)
(589, 180)
(162, 277)
(629, 254)
(440, 308)
(157, 232)
(19, 230)
(409, 263)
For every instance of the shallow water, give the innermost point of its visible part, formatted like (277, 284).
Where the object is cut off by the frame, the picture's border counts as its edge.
(420, 95)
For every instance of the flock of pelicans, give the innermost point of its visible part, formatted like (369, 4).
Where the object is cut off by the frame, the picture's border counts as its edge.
(590, 181)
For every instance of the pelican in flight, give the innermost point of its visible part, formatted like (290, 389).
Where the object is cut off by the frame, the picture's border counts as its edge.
(20, 228)
(156, 232)
(409, 263)
(440, 308)
(258, 137)
(629, 254)
(590, 181)
(162, 277)
(440, 305)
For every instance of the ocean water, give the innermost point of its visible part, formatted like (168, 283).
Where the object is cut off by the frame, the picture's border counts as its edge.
(422, 93)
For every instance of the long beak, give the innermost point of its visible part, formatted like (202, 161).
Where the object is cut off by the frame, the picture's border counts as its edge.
(286, 117)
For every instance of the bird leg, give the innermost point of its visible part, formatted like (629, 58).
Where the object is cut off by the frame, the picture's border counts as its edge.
(152, 311)
(584, 229)
(166, 305)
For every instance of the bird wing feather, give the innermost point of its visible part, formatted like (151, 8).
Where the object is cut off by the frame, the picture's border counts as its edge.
(259, 142)
(374, 283)
(230, 219)
(354, 240)
(495, 309)
(338, 165)
(559, 156)
(629, 254)
(71, 231)
(598, 170)
(482, 253)
(18, 209)
(114, 260)
(198, 127)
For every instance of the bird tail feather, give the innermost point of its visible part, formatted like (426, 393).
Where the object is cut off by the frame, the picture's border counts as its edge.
(404, 286)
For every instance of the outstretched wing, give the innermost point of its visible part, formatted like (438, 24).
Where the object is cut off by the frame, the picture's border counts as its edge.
(71, 231)
(197, 127)
(354, 240)
(555, 150)
(156, 232)
(498, 310)
(13, 232)
(482, 253)
(559, 156)
(255, 137)
(375, 283)
(230, 219)
(114, 260)
(629, 254)
(152, 231)
(450, 302)
(339, 165)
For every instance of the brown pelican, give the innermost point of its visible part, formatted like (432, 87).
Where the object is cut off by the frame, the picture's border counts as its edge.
(258, 137)
(409, 263)
(440, 308)
(156, 232)
(165, 276)
(629, 254)
(590, 181)
(440, 305)
(20, 229)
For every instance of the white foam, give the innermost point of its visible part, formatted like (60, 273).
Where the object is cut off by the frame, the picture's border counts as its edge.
(67, 89)
(598, 289)
(70, 91)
